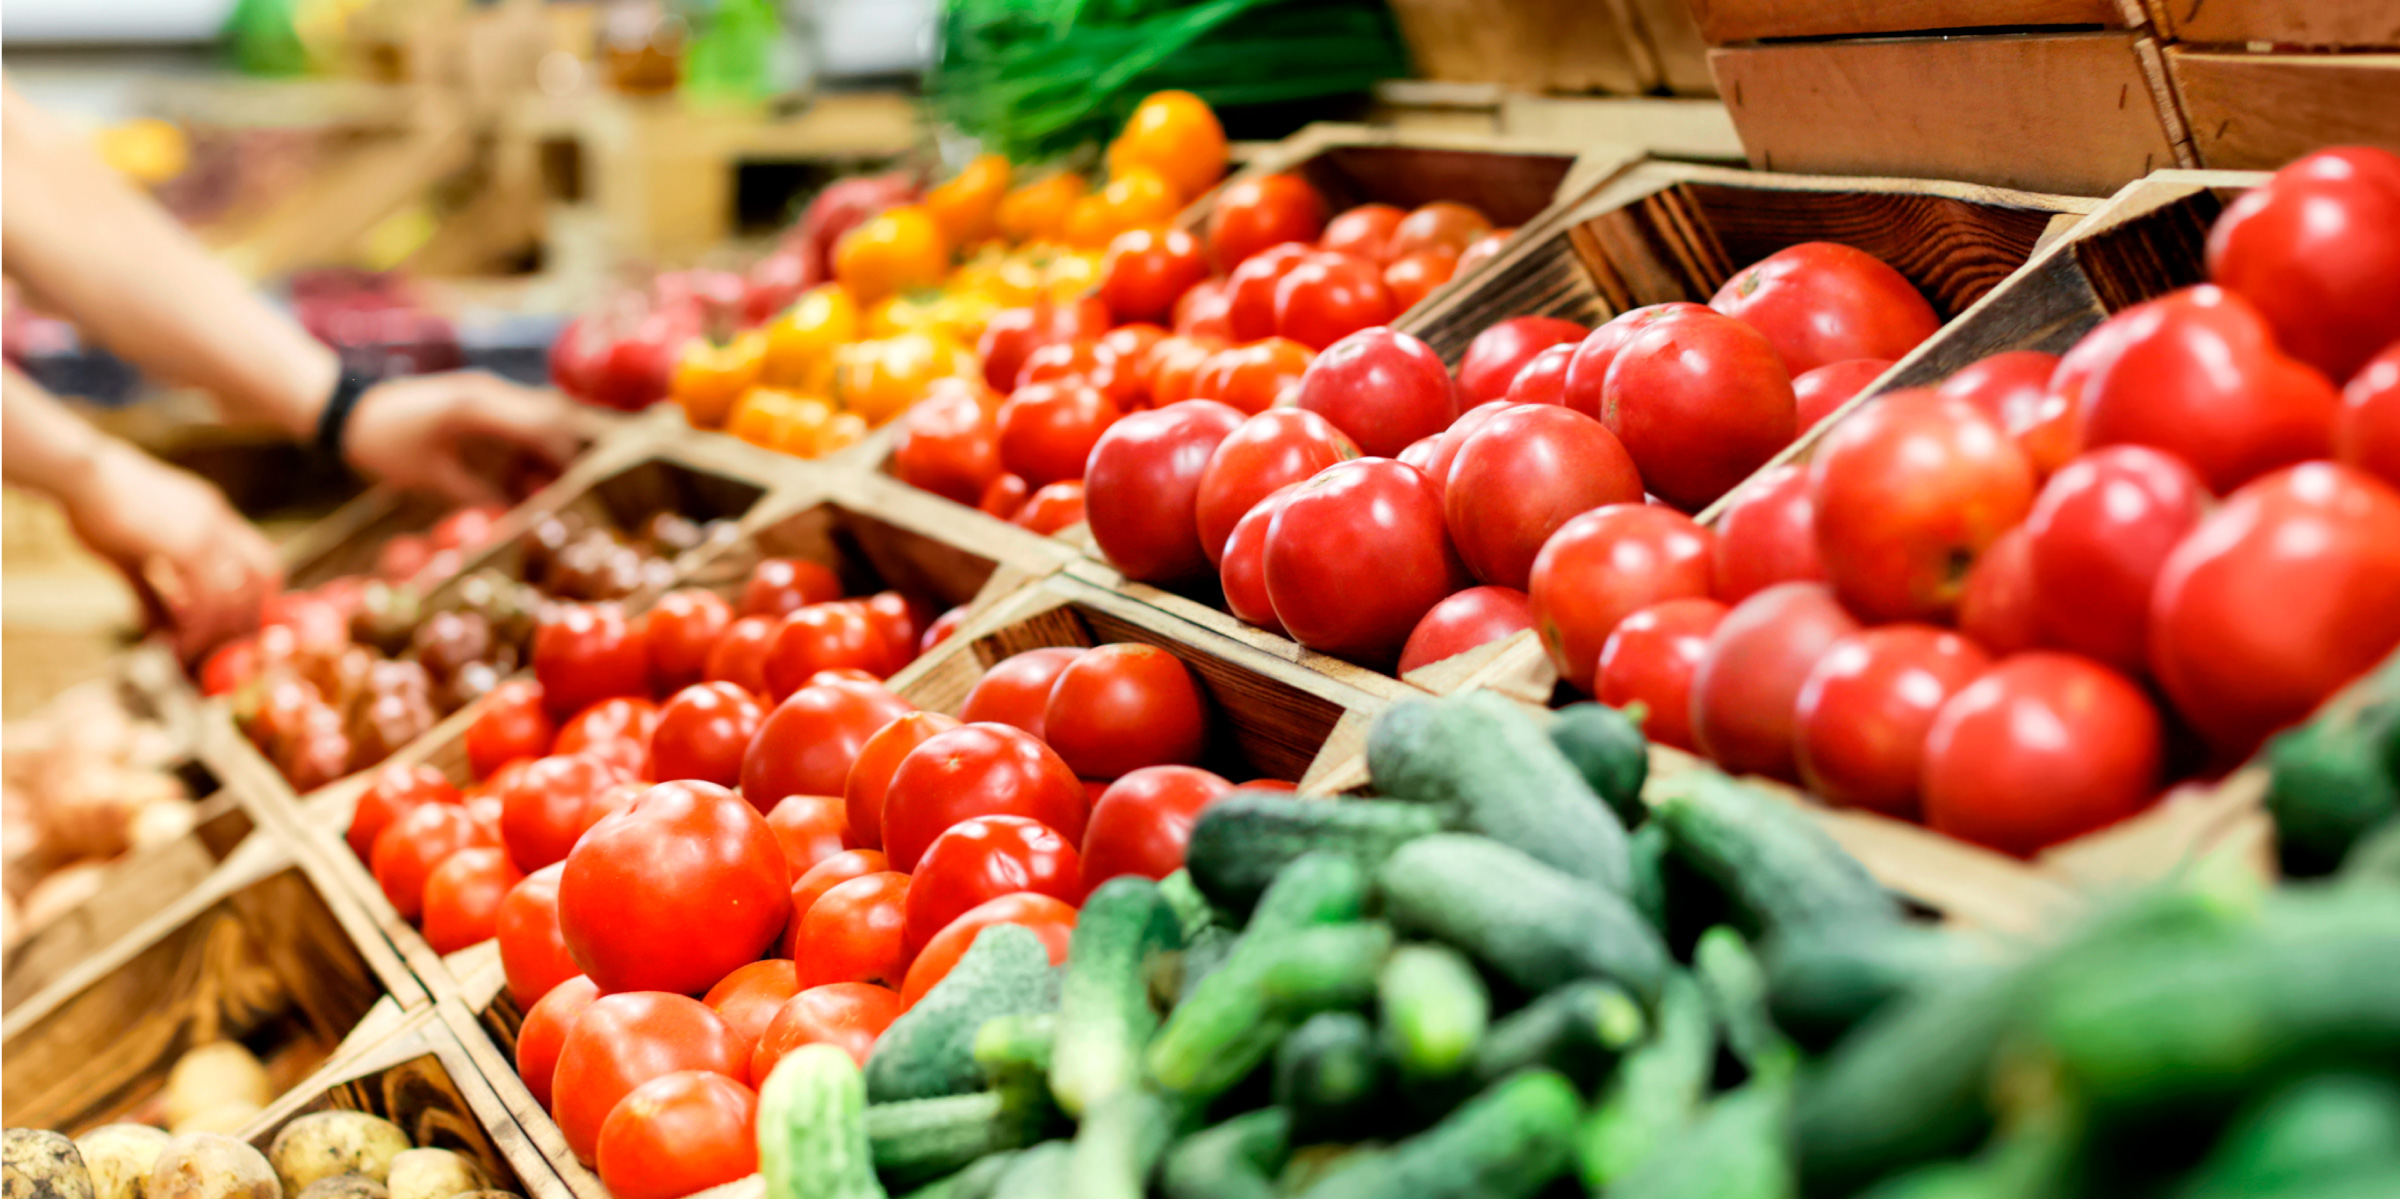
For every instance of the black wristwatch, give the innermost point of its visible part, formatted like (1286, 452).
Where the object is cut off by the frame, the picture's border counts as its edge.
(334, 420)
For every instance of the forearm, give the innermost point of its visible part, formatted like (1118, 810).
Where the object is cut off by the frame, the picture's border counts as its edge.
(43, 447)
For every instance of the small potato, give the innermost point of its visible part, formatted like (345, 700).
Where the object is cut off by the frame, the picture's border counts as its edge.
(436, 1174)
(211, 1166)
(344, 1187)
(335, 1143)
(39, 1163)
(120, 1157)
(215, 1075)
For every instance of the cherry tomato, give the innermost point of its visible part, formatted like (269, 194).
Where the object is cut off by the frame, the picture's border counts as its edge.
(1253, 214)
(542, 810)
(1051, 919)
(1047, 430)
(1204, 311)
(949, 443)
(1996, 609)
(808, 742)
(1527, 471)
(680, 630)
(702, 733)
(1142, 822)
(983, 857)
(1143, 485)
(1499, 354)
(1146, 270)
(740, 657)
(852, 934)
(1587, 373)
(810, 829)
(1443, 223)
(1700, 401)
(2317, 250)
(512, 723)
(2013, 388)
(673, 892)
(2043, 748)
(1543, 378)
(544, 1033)
(1175, 365)
(1013, 333)
(1747, 688)
(848, 1016)
(1412, 277)
(1120, 707)
(533, 953)
(1006, 497)
(2098, 534)
(2367, 433)
(408, 850)
(1863, 713)
(1254, 376)
(1016, 691)
(396, 790)
(1464, 621)
(1823, 302)
(975, 770)
(1265, 452)
(1650, 659)
(1328, 297)
(463, 895)
(625, 1040)
(680, 1133)
(1364, 231)
(1604, 565)
(1383, 388)
(1908, 492)
(1368, 518)
(586, 653)
(1242, 568)
(1767, 535)
(620, 719)
(871, 773)
(821, 637)
(749, 996)
(779, 586)
(1817, 392)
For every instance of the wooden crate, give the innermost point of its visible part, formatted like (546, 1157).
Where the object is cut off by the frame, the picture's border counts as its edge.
(2315, 23)
(2259, 111)
(1726, 22)
(1535, 45)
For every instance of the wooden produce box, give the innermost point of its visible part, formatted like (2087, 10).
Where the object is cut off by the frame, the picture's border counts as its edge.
(2317, 24)
(2258, 111)
(1628, 47)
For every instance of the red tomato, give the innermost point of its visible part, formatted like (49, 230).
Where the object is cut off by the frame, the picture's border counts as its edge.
(680, 630)
(941, 629)
(1175, 366)
(1143, 485)
(821, 637)
(1767, 535)
(2317, 250)
(1996, 609)
(2281, 596)
(977, 770)
(1383, 388)
(1254, 376)
(1146, 270)
(1052, 920)
(1120, 707)
(852, 934)
(1464, 621)
(402, 557)
(810, 829)
(900, 621)
(1700, 402)
(1253, 214)
(1061, 362)
(1250, 290)
(2013, 388)
(2197, 374)
(674, 892)
(748, 997)
(1650, 659)
(229, 666)
(1133, 345)
(2043, 748)
(1863, 713)
(586, 653)
(680, 1133)
(1745, 692)
(544, 1033)
(702, 733)
(1369, 518)
(625, 1040)
(949, 443)
(1543, 379)
(1604, 565)
(1016, 691)
(1413, 277)
(1527, 471)
(983, 857)
(533, 953)
(848, 1016)
(396, 790)
(2367, 433)
(1013, 333)
(1364, 231)
(408, 850)
(512, 723)
(1445, 452)
(740, 657)
(1484, 249)
(1006, 497)
(1242, 569)
(1204, 311)
(1587, 372)
(1047, 430)
(1816, 393)
(542, 809)
(871, 772)
(1327, 297)
(1142, 822)
(1421, 452)
(808, 742)
(780, 586)
(622, 719)
(1443, 224)
(1499, 354)
(2098, 534)
(462, 897)
(1823, 302)
(820, 879)
(1276, 447)
(1908, 492)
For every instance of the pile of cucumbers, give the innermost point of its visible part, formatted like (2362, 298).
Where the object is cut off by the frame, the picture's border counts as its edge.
(1530, 970)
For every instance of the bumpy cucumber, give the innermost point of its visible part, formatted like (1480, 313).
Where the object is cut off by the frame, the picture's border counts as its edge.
(812, 1127)
(1578, 1031)
(1244, 840)
(1435, 1010)
(1536, 926)
(1781, 870)
(1655, 1089)
(1330, 1076)
(1607, 746)
(1487, 756)
(1105, 1017)
(930, 1050)
(1238, 1158)
(1514, 1139)
(1741, 1145)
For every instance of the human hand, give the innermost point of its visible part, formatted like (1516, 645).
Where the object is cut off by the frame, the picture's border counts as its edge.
(197, 567)
(460, 435)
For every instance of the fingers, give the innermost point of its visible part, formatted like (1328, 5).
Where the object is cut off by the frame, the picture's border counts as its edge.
(447, 475)
(224, 581)
(543, 423)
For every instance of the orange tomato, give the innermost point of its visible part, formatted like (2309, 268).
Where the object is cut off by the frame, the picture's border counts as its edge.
(966, 206)
(1037, 211)
(879, 378)
(1413, 277)
(1176, 135)
(894, 251)
(1138, 199)
(710, 378)
(804, 337)
(779, 420)
(1175, 364)
(845, 430)
(1251, 377)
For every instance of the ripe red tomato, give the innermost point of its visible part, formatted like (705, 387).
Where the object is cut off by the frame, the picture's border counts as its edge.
(852, 934)
(1016, 691)
(1250, 290)
(533, 953)
(808, 742)
(1061, 362)
(1587, 372)
(740, 657)
(949, 442)
(229, 666)
(1908, 493)
(462, 897)
(1767, 535)
(2317, 250)
(1527, 471)
(1254, 376)
(1603, 566)
(2013, 388)
(1746, 691)
(1253, 214)
(1242, 568)
(1543, 378)
(1051, 919)
(976, 770)
(778, 586)
(822, 878)
(703, 731)
(1816, 393)
(1464, 621)
(1499, 354)
(1120, 707)
(821, 637)
(1327, 297)
(2277, 599)
(1265, 452)
(899, 621)
(673, 892)
(1650, 659)
(1204, 311)
(1823, 302)
(2098, 534)
(1175, 365)
(871, 773)
(983, 857)
(1146, 270)
(2367, 433)
(2043, 748)
(940, 630)
(625, 1040)
(1047, 430)
(1013, 333)
(1863, 713)
(408, 850)
(1484, 249)
(544, 1033)
(1364, 231)
(849, 1016)
(512, 723)
(680, 1133)
(1996, 609)
(1006, 497)
(1368, 518)
(1443, 224)
(810, 829)
(1143, 485)
(1445, 451)
(396, 790)
(1413, 277)
(680, 630)
(1383, 388)
(619, 719)
(748, 997)
(1700, 402)
(542, 810)
(1142, 822)
(586, 653)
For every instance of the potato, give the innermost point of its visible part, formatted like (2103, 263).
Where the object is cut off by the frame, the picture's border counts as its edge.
(436, 1174)
(335, 1143)
(37, 1162)
(120, 1157)
(215, 1075)
(206, 1166)
(344, 1187)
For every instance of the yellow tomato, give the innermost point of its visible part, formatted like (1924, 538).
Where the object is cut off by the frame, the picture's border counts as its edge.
(1176, 135)
(1038, 210)
(966, 207)
(842, 432)
(899, 314)
(1070, 275)
(780, 420)
(709, 379)
(822, 318)
(894, 251)
(878, 379)
(962, 315)
(1140, 198)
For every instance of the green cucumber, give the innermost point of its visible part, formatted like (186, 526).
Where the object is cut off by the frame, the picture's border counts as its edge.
(1192, 911)
(1435, 1010)
(1823, 981)
(812, 1127)
(1781, 870)
(1578, 1031)
(1274, 979)
(1037, 1172)
(1104, 1012)
(1514, 1139)
(1237, 1158)
(1204, 953)
(1740, 1145)
(1736, 987)
(1119, 1144)
(1647, 851)
(2374, 860)
(2038, 1154)
(1655, 1089)
(1330, 1076)
(1487, 757)
(1607, 747)
(919, 1140)
(930, 1050)
(975, 1181)
(1536, 926)
(1317, 888)
(1243, 840)
(2329, 782)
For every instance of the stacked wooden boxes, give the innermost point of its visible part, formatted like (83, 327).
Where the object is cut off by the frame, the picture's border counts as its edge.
(2265, 81)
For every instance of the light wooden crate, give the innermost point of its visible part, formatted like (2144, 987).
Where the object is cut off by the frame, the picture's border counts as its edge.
(1626, 47)
(2258, 111)
(2281, 23)
(1726, 22)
